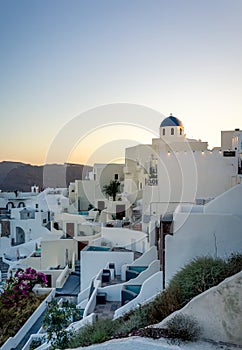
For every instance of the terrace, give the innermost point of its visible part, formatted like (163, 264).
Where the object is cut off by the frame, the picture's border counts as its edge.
(117, 289)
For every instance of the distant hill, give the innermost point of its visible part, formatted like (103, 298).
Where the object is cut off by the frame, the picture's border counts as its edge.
(21, 176)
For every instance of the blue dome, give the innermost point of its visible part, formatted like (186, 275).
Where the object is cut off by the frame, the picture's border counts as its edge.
(171, 121)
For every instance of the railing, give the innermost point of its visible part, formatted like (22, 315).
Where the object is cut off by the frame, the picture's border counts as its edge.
(129, 292)
(75, 326)
(142, 277)
(73, 261)
(150, 288)
(83, 295)
(137, 245)
(13, 342)
(145, 259)
(62, 277)
(90, 307)
(113, 292)
(36, 337)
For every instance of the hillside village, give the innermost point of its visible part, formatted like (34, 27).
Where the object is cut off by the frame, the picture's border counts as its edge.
(111, 249)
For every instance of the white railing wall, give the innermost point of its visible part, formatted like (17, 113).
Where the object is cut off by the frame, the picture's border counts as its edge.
(54, 275)
(150, 288)
(75, 326)
(139, 245)
(73, 262)
(97, 241)
(90, 307)
(113, 293)
(145, 259)
(144, 275)
(14, 341)
(62, 277)
(83, 295)
(33, 337)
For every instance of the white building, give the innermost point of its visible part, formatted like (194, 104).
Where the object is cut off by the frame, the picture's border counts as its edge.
(88, 193)
(26, 217)
(213, 229)
(175, 169)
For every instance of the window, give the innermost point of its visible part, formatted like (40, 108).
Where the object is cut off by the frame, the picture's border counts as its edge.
(229, 153)
(115, 176)
(164, 132)
(172, 131)
(180, 131)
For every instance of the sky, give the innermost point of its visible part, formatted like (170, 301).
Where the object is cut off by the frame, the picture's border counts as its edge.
(63, 60)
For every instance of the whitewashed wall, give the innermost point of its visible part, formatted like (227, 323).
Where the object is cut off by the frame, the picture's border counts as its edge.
(197, 234)
(53, 253)
(185, 176)
(123, 237)
(92, 262)
(150, 288)
(146, 258)
(218, 311)
(228, 202)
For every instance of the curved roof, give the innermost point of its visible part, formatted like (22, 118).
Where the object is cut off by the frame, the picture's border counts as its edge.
(171, 121)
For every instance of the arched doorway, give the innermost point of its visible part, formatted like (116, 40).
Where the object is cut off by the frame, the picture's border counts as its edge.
(20, 236)
(21, 205)
(10, 205)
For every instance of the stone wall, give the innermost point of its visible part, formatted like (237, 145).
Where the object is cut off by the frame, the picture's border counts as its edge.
(218, 311)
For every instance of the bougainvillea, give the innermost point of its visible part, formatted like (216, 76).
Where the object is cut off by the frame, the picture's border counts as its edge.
(20, 285)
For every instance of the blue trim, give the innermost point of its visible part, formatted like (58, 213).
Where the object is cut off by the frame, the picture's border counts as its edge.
(171, 121)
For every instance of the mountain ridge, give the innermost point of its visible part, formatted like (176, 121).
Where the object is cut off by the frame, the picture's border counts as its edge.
(21, 176)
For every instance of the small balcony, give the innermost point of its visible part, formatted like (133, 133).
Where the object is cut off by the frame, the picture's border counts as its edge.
(129, 292)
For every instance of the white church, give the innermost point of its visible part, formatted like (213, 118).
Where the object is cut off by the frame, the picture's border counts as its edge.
(174, 169)
(191, 196)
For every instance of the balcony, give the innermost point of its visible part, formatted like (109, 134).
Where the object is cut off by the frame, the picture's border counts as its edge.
(129, 292)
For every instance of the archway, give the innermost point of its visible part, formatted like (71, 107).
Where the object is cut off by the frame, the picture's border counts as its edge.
(10, 205)
(20, 236)
(21, 205)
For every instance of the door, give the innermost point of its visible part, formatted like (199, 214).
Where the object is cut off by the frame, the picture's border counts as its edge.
(120, 211)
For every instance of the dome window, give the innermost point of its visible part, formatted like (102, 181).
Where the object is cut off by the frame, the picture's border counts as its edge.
(172, 131)
(180, 131)
(164, 132)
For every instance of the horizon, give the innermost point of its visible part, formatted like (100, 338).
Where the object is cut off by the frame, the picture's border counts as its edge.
(119, 159)
(61, 59)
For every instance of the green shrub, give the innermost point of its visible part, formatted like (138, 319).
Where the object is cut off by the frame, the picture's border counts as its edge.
(98, 332)
(193, 279)
(137, 318)
(35, 343)
(234, 264)
(198, 276)
(183, 327)
(164, 304)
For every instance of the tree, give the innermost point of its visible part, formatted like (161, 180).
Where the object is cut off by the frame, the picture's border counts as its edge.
(57, 319)
(112, 189)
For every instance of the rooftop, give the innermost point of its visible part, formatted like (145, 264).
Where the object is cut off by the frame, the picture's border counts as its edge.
(171, 121)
